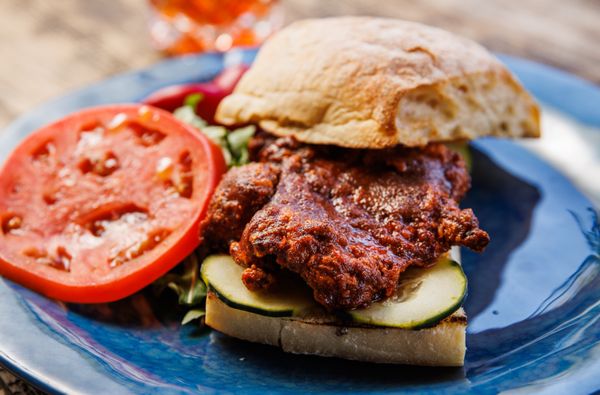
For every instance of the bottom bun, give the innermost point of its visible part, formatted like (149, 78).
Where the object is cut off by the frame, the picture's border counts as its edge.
(441, 345)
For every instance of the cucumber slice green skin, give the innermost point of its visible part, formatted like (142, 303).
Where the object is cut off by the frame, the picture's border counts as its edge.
(250, 309)
(223, 278)
(433, 321)
(391, 311)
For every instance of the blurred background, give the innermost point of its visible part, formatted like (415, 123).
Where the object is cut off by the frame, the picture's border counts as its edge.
(48, 48)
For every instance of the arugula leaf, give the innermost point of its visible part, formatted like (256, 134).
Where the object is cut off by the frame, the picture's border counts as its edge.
(189, 287)
(193, 100)
(193, 315)
(238, 144)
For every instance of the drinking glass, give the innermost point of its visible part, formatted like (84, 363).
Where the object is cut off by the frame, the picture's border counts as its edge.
(186, 26)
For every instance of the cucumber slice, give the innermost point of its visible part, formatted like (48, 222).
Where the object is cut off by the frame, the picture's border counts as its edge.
(424, 298)
(224, 277)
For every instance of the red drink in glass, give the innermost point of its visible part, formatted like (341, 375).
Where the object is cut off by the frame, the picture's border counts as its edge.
(186, 26)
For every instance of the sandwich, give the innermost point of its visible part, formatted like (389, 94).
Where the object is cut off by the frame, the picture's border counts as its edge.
(339, 237)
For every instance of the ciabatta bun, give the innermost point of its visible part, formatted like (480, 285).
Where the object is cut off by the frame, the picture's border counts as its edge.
(365, 82)
(441, 345)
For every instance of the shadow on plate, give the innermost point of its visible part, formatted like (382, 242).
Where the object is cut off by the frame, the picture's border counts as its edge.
(504, 205)
(565, 321)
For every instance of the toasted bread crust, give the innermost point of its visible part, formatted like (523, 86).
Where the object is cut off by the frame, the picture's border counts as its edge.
(364, 82)
(442, 345)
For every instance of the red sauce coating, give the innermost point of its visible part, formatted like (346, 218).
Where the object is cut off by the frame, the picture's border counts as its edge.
(349, 222)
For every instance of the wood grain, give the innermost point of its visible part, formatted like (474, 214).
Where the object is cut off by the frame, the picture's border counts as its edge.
(48, 48)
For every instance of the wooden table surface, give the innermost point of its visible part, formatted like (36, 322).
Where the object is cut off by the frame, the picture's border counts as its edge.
(48, 48)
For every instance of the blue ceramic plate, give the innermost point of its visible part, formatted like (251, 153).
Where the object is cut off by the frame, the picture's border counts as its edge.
(533, 304)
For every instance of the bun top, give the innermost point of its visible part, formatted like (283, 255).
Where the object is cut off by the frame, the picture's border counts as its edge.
(366, 82)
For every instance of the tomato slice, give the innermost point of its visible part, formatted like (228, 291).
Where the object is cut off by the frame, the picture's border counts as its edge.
(101, 203)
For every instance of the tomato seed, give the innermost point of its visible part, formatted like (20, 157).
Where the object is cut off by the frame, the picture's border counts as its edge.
(90, 138)
(102, 167)
(11, 223)
(90, 126)
(185, 181)
(34, 253)
(49, 199)
(118, 120)
(146, 136)
(164, 168)
(153, 239)
(61, 260)
(85, 165)
(185, 186)
(44, 151)
(102, 221)
(185, 161)
(145, 113)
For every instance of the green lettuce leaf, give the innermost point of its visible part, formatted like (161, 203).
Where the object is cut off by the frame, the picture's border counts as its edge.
(234, 143)
(238, 144)
(187, 284)
(193, 315)
(188, 115)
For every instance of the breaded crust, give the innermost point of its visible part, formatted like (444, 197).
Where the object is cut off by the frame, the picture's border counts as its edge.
(365, 82)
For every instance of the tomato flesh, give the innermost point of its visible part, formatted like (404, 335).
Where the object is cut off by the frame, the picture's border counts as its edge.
(101, 203)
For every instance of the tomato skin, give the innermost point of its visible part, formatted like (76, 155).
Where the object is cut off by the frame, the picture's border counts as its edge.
(130, 277)
(172, 97)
